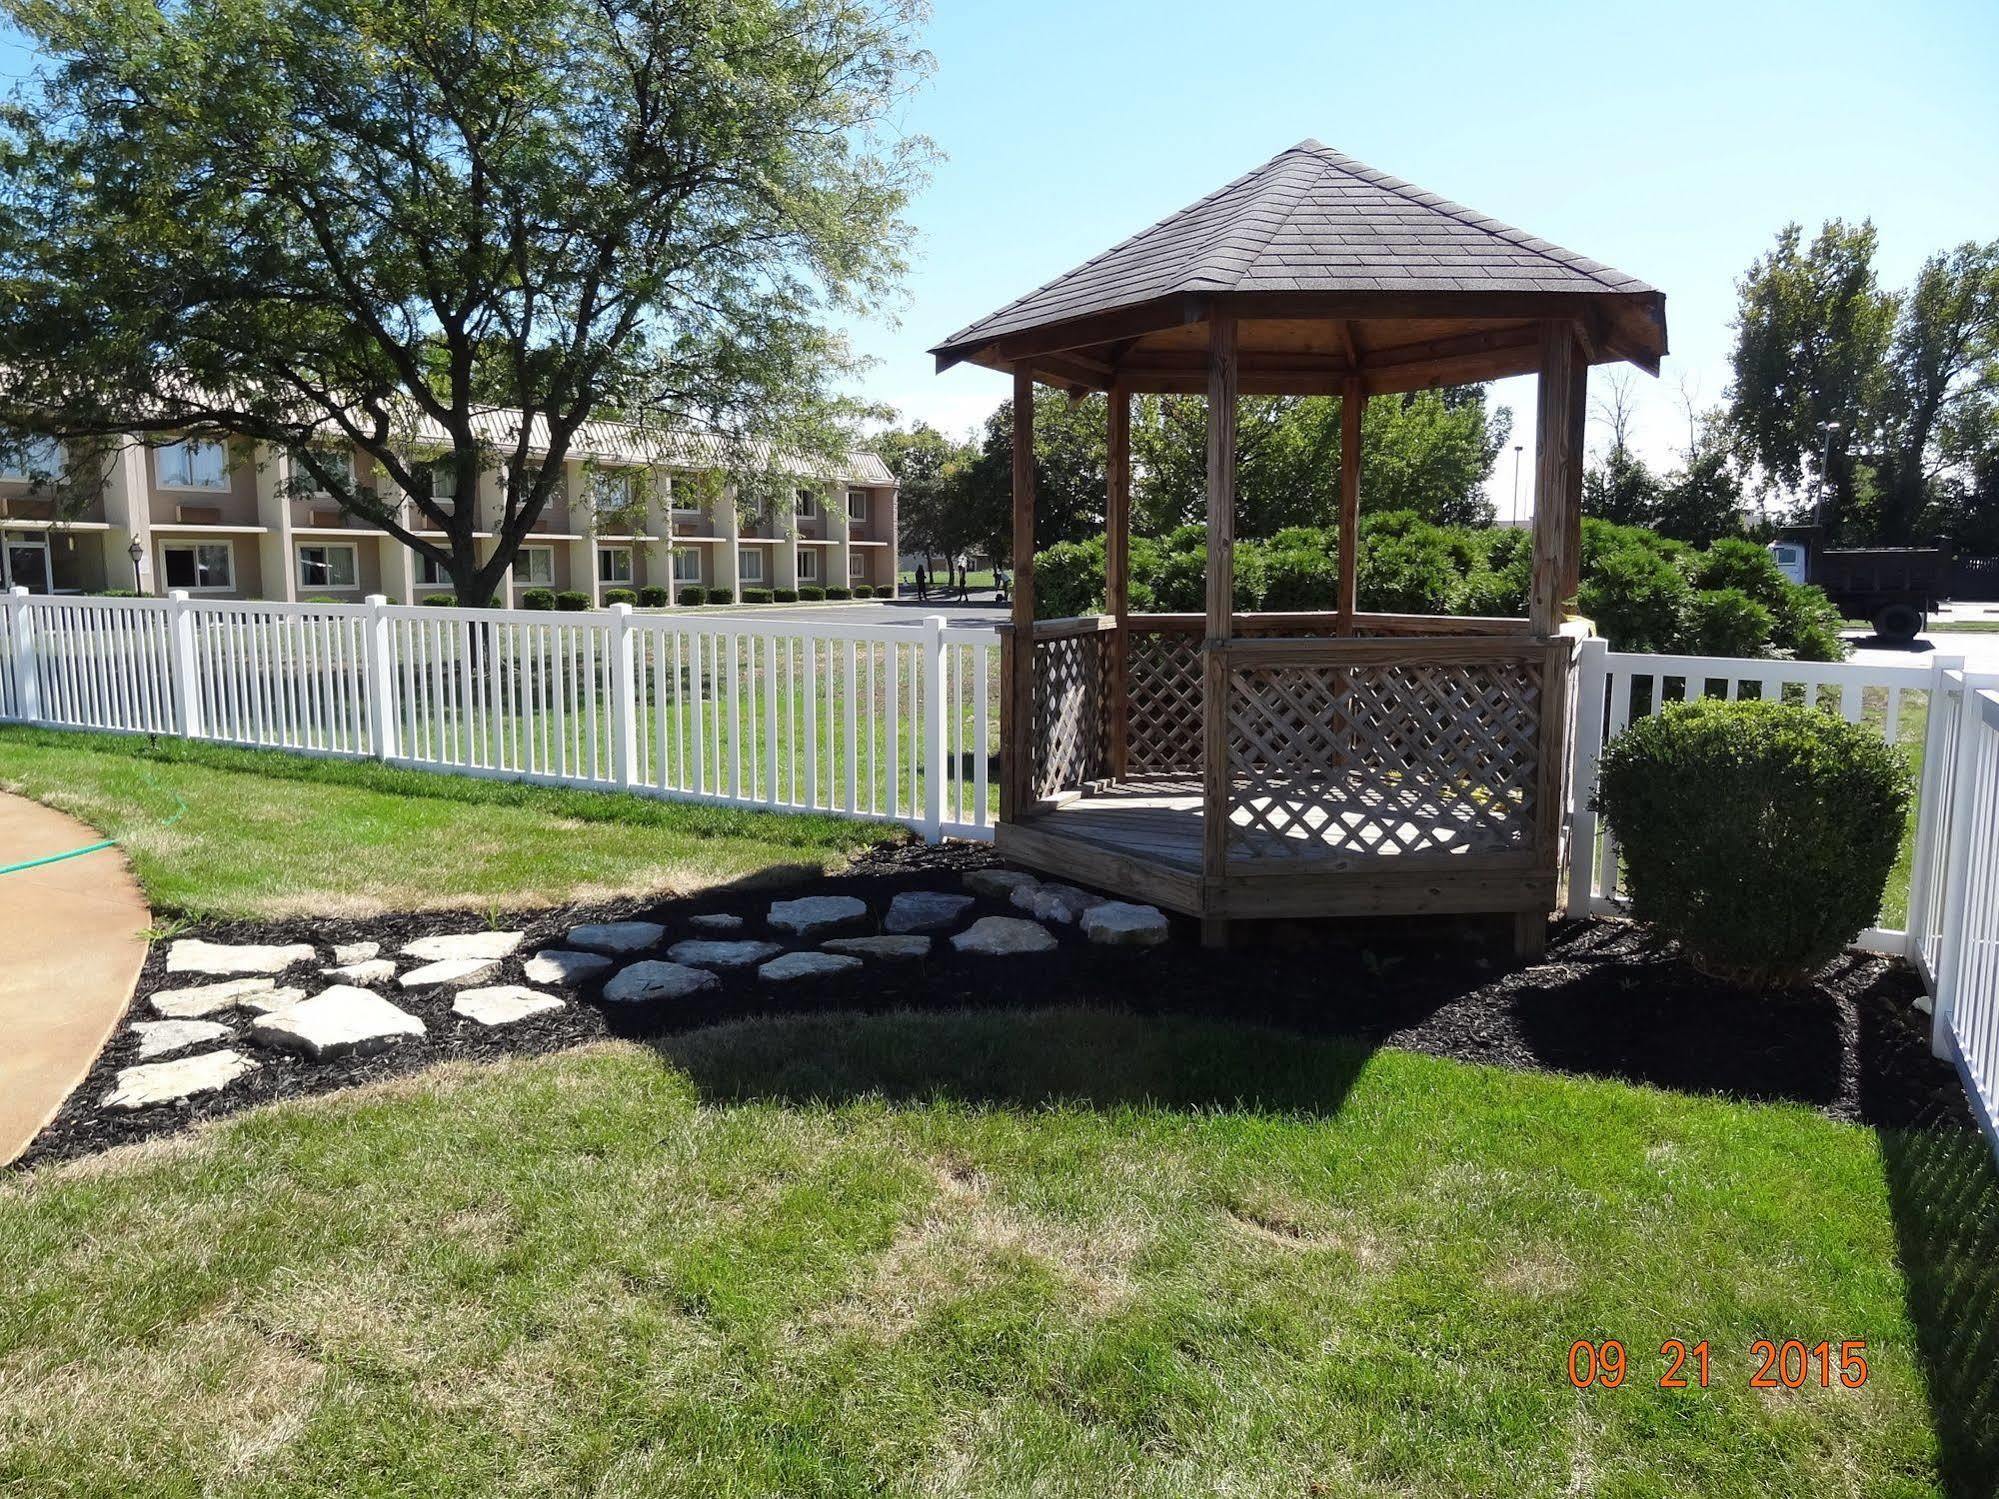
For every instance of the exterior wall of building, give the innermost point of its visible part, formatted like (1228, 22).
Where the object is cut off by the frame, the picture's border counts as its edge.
(252, 514)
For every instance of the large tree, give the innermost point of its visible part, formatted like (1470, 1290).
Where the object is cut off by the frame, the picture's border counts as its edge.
(1942, 367)
(1812, 330)
(375, 221)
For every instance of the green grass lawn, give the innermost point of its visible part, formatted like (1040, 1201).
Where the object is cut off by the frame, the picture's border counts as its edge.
(1053, 1253)
(227, 832)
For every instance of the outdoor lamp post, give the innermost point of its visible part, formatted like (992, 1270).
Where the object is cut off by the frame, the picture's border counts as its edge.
(1825, 458)
(1516, 482)
(136, 553)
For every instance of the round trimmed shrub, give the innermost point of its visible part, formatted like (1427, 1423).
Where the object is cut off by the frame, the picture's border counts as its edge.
(846, 593)
(654, 598)
(442, 600)
(721, 596)
(1727, 622)
(811, 593)
(1756, 835)
(541, 599)
(620, 596)
(756, 595)
(572, 600)
(784, 595)
(693, 594)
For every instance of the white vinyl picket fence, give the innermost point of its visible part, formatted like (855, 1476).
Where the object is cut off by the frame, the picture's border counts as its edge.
(1944, 719)
(896, 722)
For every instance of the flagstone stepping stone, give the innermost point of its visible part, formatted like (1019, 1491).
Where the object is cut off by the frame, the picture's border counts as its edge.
(191, 955)
(1063, 903)
(716, 921)
(616, 936)
(502, 1004)
(449, 971)
(701, 952)
(169, 1082)
(900, 948)
(488, 945)
(813, 915)
(656, 980)
(337, 1022)
(355, 952)
(558, 965)
(925, 911)
(367, 971)
(1119, 923)
(1003, 936)
(206, 999)
(159, 1038)
(804, 965)
(997, 883)
(272, 999)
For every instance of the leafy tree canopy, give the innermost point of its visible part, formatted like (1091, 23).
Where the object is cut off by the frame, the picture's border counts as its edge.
(373, 220)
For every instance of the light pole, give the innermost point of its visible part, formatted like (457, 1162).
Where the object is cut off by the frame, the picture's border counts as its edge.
(1825, 459)
(1516, 483)
(135, 552)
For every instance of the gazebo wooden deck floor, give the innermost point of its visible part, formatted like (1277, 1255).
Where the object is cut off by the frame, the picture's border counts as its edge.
(1231, 765)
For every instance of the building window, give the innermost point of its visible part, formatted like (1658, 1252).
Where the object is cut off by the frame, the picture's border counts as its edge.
(22, 459)
(683, 504)
(614, 564)
(808, 505)
(687, 565)
(535, 566)
(430, 572)
(857, 504)
(857, 567)
(613, 489)
(328, 567)
(750, 565)
(444, 481)
(336, 461)
(199, 567)
(192, 463)
(808, 566)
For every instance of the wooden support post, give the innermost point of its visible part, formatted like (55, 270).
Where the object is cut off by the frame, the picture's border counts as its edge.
(1558, 442)
(1222, 385)
(1117, 575)
(1353, 402)
(1018, 778)
(1572, 479)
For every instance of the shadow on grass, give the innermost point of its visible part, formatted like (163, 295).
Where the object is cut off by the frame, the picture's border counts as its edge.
(1943, 1190)
(1017, 1059)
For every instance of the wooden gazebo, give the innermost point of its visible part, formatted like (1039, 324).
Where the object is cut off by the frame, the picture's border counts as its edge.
(1253, 765)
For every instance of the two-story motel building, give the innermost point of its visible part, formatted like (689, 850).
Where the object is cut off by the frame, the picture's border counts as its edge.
(225, 519)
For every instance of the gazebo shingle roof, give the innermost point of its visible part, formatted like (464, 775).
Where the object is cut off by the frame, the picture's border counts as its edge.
(1311, 219)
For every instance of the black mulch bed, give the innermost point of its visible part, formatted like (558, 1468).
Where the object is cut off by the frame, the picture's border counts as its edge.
(1606, 1002)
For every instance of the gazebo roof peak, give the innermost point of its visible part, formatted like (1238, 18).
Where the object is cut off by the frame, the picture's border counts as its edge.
(1313, 221)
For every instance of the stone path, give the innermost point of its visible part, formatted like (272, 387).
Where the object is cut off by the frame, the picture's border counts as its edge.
(74, 947)
(638, 963)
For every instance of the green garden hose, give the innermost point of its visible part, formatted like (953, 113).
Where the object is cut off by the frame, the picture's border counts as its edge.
(180, 811)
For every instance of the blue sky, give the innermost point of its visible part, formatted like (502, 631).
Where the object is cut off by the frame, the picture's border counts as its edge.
(1670, 141)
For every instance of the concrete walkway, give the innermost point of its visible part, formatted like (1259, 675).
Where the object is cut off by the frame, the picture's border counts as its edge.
(72, 946)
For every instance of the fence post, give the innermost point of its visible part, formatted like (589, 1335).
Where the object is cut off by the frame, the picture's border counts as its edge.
(933, 727)
(624, 707)
(1592, 676)
(1927, 833)
(180, 665)
(1950, 945)
(381, 668)
(27, 678)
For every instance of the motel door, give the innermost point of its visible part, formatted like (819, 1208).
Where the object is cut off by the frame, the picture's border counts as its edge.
(25, 564)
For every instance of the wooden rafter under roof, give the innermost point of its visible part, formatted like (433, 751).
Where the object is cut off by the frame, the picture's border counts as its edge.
(1333, 270)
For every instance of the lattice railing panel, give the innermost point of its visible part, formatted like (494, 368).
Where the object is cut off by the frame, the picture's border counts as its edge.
(1368, 760)
(1163, 702)
(1071, 712)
